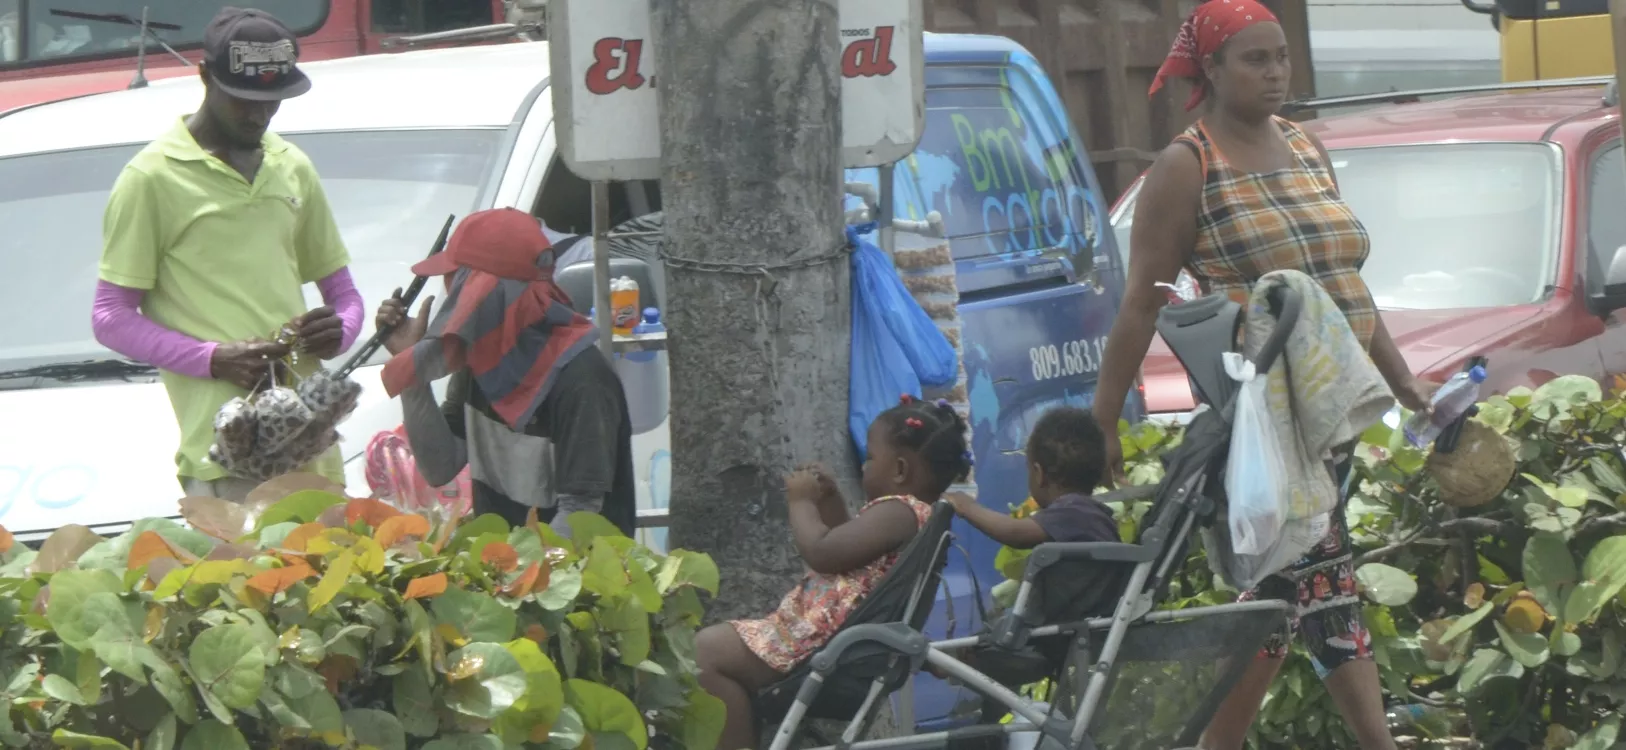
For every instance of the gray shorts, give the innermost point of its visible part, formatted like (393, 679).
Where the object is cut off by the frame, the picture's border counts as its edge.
(230, 488)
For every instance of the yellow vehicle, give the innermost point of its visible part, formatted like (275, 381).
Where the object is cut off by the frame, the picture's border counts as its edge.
(1547, 39)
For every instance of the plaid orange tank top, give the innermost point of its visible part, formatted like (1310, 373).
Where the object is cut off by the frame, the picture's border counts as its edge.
(1290, 219)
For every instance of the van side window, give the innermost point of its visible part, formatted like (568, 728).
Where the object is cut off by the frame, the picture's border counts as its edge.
(995, 168)
(1606, 222)
(429, 16)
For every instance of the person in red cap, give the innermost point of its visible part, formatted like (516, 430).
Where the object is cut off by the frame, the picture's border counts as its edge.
(211, 233)
(1240, 194)
(534, 408)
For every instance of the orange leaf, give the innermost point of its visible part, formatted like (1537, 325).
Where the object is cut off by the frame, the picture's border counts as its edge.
(148, 547)
(537, 633)
(501, 555)
(419, 588)
(301, 536)
(524, 583)
(7, 541)
(395, 529)
(337, 670)
(278, 580)
(374, 512)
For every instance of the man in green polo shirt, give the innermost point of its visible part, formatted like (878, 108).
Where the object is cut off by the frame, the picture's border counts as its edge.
(210, 233)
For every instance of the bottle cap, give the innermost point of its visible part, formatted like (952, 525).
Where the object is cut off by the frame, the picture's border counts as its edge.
(652, 315)
(1477, 374)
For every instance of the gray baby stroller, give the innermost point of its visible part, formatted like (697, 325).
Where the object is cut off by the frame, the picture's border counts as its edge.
(1123, 673)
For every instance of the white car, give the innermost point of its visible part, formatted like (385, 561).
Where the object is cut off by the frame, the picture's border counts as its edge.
(401, 141)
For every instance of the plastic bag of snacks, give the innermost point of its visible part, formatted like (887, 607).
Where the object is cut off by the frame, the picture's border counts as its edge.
(281, 428)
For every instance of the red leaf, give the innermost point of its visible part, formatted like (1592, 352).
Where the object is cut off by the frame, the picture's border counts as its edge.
(426, 586)
(500, 555)
(373, 512)
(277, 580)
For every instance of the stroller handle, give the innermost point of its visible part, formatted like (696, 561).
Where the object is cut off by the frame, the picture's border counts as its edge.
(1285, 303)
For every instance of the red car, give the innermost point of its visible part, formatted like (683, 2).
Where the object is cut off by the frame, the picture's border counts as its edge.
(1498, 223)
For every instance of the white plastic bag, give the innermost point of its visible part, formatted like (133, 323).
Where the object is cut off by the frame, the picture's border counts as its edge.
(1255, 474)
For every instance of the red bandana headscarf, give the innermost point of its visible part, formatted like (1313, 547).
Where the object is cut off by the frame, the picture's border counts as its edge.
(1209, 26)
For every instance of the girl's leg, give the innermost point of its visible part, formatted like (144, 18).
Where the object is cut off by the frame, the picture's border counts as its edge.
(731, 673)
(1359, 694)
(1229, 728)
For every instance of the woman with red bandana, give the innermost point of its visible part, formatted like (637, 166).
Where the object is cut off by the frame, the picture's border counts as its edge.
(1238, 195)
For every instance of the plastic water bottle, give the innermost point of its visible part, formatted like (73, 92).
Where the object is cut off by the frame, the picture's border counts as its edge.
(1435, 722)
(1451, 401)
(644, 378)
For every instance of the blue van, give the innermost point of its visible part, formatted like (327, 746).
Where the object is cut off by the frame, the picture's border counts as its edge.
(1039, 279)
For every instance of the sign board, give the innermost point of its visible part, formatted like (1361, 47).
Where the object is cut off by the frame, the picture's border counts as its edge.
(604, 75)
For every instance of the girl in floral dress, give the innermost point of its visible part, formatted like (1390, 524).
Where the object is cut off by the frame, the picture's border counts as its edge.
(915, 451)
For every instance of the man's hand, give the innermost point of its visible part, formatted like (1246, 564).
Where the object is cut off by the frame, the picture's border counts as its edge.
(321, 332)
(246, 364)
(407, 331)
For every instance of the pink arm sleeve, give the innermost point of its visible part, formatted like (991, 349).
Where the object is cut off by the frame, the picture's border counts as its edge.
(339, 292)
(117, 321)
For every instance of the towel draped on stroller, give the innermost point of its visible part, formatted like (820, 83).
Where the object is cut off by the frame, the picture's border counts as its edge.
(1125, 674)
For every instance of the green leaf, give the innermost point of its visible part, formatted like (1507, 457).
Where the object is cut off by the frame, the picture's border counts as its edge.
(63, 689)
(1466, 623)
(703, 720)
(604, 710)
(168, 683)
(1386, 584)
(1548, 566)
(604, 574)
(544, 689)
(685, 568)
(163, 735)
(479, 617)
(1584, 602)
(568, 732)
(1529, 649)
(564, 585)
(1568, 391)
(229, 665)
(585, 528)
(624, 615)
(374, 728)
(1602, 736)
(494, 683)
(304, 506)
(1486, 664)
(317, 708)
(1606, 566)
(69, 591)
(414, 704)
(1604, 471)
(116, 627)
(213, 735)
(489, 523)
(1568, 644)
(65, 738)
(466, 742)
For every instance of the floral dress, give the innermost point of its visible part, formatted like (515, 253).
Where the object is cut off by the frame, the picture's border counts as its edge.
(811, 613)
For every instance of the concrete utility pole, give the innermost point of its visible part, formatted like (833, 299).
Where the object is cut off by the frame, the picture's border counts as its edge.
(757, 274)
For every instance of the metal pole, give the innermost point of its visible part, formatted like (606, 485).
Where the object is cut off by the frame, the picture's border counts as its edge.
(883, 208)
(601, 267)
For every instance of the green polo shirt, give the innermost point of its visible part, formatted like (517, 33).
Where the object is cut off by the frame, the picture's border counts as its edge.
(220, 260)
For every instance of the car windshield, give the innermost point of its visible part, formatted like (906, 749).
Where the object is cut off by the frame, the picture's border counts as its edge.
(390, 190)
(1458, 225)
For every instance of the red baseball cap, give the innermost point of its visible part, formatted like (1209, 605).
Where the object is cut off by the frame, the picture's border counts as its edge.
(504, 242)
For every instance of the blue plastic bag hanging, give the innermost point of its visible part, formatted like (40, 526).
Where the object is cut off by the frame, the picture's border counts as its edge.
(878, 287)
(892, 340)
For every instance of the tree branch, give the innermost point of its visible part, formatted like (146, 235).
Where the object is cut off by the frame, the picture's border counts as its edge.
(1476, 526)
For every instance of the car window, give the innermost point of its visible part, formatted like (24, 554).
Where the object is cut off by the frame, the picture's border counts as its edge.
(68, 29)
(390, 190)
(1606, 221)
(1453, 225)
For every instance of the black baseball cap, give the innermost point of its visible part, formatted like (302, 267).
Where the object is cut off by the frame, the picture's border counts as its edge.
(251, 55)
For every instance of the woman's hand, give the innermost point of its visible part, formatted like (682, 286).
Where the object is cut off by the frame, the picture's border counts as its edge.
(1115, 453)
(1417, 395)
